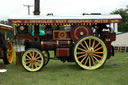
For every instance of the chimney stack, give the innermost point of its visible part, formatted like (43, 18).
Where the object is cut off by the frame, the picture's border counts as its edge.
(37, 7)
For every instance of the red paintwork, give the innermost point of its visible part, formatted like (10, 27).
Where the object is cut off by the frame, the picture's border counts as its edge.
(62, 52)
(62, 21)
(108, 35)
(108, 39)
(49, 44)
(64, 43)
(61, 35)
(54, 44)
(77, 30)
(1, 52)
(6, 28)
(25, 37)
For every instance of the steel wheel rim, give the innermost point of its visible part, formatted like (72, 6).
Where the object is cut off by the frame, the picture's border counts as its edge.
(10, 52)
(90, 53)
(32, 60)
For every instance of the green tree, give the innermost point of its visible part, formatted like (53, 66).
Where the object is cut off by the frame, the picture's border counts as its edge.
(123, 26)
(4, 22)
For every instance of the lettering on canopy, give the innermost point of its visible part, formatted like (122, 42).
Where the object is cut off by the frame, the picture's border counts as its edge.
(61, 21)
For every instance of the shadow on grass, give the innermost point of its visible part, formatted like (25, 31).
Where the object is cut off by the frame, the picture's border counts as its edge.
(53, 65)
(62, 66)
(58, 66)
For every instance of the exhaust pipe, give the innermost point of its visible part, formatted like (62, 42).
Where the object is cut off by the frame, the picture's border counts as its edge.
(37, 7)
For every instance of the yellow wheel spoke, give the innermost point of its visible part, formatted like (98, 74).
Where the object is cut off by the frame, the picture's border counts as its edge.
(81, 56)
(93, 44)
(32, 66)
(81, 52)
(86, 60)
(83, 59)
(28, 56)
(35, 65)
(98, 56)
(89, 43)
(93, 60)
(33, 53)
(98, 48)
(86, 44)
(96, 59)
(97, 45)
(27, 59)
(38, 58)
(27, 62)
(83, 46)
(89, 61)
(81, 49)
(98, 52)
(36, 55)
(29, 65)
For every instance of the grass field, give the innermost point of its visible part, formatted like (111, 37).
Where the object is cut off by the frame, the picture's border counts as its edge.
(114, 72)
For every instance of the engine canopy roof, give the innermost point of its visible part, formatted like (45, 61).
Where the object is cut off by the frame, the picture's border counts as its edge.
(38, 19)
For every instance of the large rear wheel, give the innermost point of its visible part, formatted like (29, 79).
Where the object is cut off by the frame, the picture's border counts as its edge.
(90, 53)
(33, 60)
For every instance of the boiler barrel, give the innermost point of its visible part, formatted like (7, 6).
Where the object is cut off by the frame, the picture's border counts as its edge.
(54, 44)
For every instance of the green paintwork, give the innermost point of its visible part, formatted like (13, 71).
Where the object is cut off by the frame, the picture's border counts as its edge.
(41, 32)
(46, 55)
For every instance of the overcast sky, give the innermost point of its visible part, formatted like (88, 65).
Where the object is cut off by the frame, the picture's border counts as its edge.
(60, 7)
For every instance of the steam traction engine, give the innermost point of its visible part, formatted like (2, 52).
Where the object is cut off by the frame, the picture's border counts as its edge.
(6, 46)
(85, 40)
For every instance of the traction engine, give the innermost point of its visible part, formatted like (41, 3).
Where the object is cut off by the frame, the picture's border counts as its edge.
(6, 46)
(85, 39)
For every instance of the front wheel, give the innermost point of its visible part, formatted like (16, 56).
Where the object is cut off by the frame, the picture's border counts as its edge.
(90, 52)
(33, 60)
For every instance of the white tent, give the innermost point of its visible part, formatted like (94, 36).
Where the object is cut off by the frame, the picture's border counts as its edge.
(121, 40)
